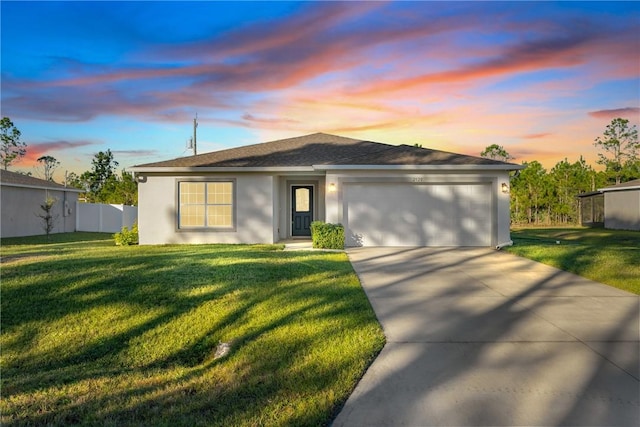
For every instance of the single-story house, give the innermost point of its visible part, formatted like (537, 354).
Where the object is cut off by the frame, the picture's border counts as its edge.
(21, 198)
(384, 195)
(622, 206)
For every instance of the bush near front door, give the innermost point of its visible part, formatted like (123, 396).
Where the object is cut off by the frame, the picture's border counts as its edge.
(327, 236)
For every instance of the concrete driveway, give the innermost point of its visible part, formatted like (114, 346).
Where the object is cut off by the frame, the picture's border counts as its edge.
(477, 337)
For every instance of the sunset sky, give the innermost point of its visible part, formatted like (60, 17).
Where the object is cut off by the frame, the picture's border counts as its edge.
(542, 79)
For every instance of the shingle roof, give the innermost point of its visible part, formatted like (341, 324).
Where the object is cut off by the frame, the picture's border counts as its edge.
(629, 185)
(8, 177)
(409, 155)
(323, 149)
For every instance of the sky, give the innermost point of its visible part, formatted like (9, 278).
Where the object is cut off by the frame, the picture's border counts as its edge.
(541, 79)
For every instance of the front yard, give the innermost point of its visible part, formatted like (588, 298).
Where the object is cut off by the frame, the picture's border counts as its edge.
(98, 334)
(606, 256)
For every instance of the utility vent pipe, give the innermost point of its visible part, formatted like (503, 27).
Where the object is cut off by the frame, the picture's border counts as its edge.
(502, 245)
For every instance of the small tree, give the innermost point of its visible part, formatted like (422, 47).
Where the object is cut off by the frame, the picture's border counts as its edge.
(127, 189)
(47, 216)
(12, 148)
(73, 180)
(496, 152)
(620, 145)
(48, 165)
(101, 178)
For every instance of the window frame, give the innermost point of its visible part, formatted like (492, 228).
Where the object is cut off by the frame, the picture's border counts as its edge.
(206, 228)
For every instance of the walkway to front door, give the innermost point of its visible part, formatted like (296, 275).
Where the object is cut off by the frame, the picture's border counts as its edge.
(301, 210)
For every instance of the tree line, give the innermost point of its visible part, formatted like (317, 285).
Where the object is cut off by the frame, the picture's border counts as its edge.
(101, 184)
(548, 197)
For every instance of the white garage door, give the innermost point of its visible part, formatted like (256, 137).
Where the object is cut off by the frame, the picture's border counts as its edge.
(417, 214)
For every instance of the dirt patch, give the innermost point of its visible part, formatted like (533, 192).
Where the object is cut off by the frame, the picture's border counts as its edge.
(9, 259)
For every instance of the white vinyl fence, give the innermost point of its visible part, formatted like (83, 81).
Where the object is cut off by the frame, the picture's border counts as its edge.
(104, 218)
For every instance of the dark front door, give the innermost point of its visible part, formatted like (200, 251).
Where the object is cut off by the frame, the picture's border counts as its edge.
(301, 210)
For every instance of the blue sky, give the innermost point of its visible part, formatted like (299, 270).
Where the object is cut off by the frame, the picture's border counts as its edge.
(542, 79)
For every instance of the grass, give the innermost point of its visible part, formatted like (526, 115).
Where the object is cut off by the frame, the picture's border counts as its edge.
(98, 334)
(607, 256)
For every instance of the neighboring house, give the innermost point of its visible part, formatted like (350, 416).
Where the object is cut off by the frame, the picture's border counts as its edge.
(615, 207)
(384, 195)
(21, 198)
(591, 209)
(622, 206)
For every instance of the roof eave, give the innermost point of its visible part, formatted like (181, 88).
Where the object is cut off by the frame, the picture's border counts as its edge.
(631, 187)
(42, 187)
(200, 169)
(505, 167)
(191, 169)
(590, 193)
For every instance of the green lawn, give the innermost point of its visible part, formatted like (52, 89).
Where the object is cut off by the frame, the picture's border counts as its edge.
(606, 256)
(98, 334)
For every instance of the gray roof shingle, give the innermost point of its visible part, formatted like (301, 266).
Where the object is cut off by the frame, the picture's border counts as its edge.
(322, 149)
(8, 177)
(625, 185)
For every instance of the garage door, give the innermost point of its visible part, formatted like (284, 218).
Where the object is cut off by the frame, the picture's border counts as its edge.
(417, 214)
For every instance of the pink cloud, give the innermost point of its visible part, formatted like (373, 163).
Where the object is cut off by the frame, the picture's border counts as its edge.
(542, 54)
(628, 112)
(364, 127)
(536, 135)
(257, 58)
(271, 36)
(39, 149)
(268, 120)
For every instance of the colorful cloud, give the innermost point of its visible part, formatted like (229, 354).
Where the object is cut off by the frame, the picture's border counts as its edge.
(38, 149)
(627, 112)
(456, 76)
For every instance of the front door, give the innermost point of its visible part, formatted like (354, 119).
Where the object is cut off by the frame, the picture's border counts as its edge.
(301, 210)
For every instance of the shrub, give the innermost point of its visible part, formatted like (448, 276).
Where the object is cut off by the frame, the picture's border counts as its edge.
(327, 236)
(127, 237)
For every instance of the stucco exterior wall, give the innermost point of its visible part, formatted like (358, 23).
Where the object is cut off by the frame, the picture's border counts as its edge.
(263, 203)
(499, 205)
(502, 208)
(622, 210)
(20, 207)
(157, 210)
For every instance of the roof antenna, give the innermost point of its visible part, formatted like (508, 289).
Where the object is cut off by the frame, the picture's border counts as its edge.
(194, 140)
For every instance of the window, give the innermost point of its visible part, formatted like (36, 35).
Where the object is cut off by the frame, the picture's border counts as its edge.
(302, 199)
(206, 204)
